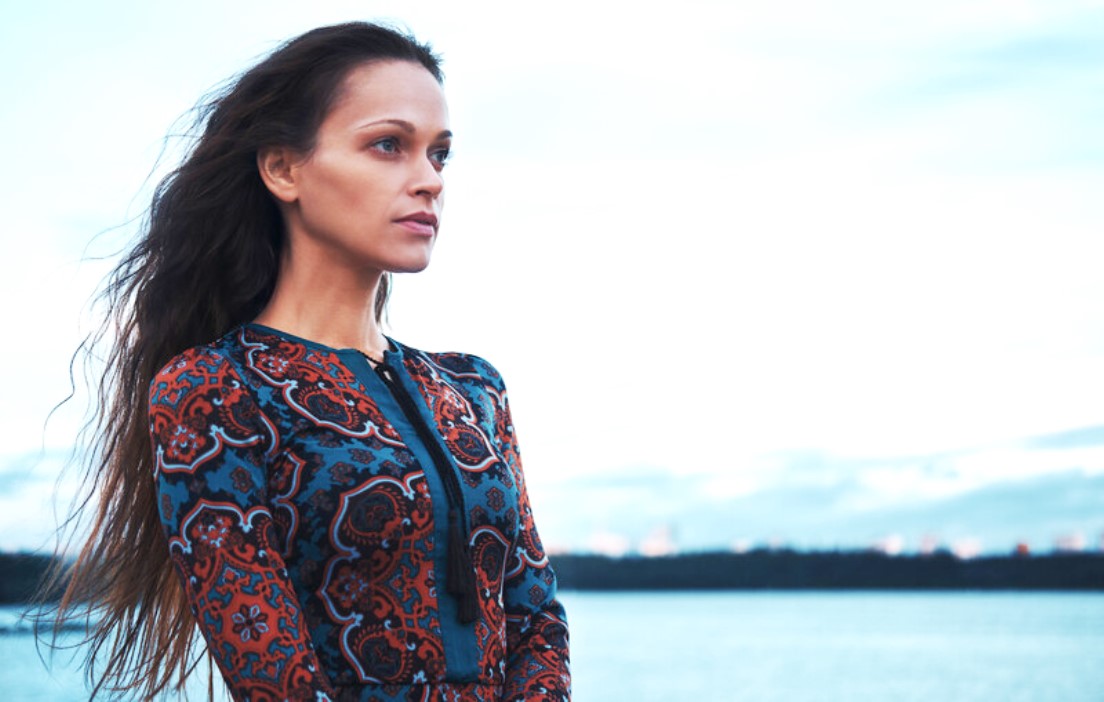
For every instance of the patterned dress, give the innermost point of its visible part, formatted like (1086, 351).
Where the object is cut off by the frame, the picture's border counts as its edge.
(308, 500)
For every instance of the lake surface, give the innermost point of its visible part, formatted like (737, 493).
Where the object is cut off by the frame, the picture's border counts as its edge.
(783, 647)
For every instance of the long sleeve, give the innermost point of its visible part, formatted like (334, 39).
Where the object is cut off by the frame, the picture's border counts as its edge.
(537, 667)
(536, 627)
(210, 445)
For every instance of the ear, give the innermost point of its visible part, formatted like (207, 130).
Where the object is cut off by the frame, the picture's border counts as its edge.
(277, 168)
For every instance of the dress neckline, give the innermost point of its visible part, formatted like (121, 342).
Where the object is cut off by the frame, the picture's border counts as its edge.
(394, 349)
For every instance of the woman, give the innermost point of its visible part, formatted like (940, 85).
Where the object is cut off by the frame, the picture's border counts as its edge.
(343, 517)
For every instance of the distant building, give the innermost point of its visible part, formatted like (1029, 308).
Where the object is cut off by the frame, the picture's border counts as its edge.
(744, 545)
(966, 548)
(660, 542)
(777, 543)
(608, 544)
(891, 545)
(1073, 542)
(557, 549)
(929, 544)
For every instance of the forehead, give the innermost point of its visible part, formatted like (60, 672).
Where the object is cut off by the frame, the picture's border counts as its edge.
(390, 90)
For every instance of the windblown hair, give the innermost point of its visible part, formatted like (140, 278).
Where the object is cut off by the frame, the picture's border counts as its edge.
(206, 261)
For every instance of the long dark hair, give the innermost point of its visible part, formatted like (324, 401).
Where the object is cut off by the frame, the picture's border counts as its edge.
(206, 261)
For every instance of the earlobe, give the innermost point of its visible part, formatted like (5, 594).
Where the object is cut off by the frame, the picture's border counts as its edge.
(276, 165)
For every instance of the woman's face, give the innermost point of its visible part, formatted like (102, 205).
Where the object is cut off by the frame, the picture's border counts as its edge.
(369, 194)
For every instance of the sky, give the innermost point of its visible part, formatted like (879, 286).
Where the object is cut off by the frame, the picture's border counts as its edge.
(821, 274)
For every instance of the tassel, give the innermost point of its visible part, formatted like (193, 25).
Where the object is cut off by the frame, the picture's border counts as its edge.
(461, 573)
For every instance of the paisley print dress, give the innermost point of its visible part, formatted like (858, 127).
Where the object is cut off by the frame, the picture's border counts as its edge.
(308, 501)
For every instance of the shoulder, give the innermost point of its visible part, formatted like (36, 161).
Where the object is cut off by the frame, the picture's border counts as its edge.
(464, 367)
(204, 366)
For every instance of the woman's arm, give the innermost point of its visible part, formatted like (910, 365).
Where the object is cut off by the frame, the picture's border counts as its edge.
(211, 444)
(536, 628)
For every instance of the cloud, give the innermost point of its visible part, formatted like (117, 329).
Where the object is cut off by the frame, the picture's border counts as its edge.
(1083, 437)
(1038, 510)
(1033, 489)
(33, 500)
(1076, 48)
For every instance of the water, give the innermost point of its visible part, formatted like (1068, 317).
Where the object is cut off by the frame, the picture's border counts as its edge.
(785, 647)
(817, 646)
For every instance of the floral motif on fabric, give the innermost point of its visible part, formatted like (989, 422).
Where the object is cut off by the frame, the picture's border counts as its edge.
(318, 386)
(380, 588)
(454, 414)
(243, 604)
(199, 412)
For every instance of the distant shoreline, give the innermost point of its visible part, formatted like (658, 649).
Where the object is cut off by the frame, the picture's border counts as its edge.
(830, 570)
(761, 569)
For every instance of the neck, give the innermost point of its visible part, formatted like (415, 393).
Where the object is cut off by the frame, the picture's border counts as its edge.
(332, 307)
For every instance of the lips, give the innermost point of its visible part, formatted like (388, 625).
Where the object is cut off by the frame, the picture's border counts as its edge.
(424, 223)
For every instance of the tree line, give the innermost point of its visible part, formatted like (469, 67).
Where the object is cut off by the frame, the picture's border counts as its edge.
(832, 570)
(763, 569)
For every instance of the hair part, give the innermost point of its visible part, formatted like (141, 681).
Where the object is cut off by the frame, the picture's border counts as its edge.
(206, 261)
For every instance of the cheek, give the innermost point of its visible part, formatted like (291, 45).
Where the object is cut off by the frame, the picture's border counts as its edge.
(364, 191)
(343, 193)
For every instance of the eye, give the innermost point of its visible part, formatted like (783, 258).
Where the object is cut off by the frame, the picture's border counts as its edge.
(440, 156)
(387, 145)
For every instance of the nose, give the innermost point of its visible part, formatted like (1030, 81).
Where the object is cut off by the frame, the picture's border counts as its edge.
(427, 179)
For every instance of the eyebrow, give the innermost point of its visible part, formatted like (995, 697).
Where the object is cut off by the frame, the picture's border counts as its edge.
(403, 125)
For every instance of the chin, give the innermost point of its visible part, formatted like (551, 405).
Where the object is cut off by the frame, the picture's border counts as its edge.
(410, 266)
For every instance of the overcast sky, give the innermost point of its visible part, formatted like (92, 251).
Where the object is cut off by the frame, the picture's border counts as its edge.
(724, 253)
